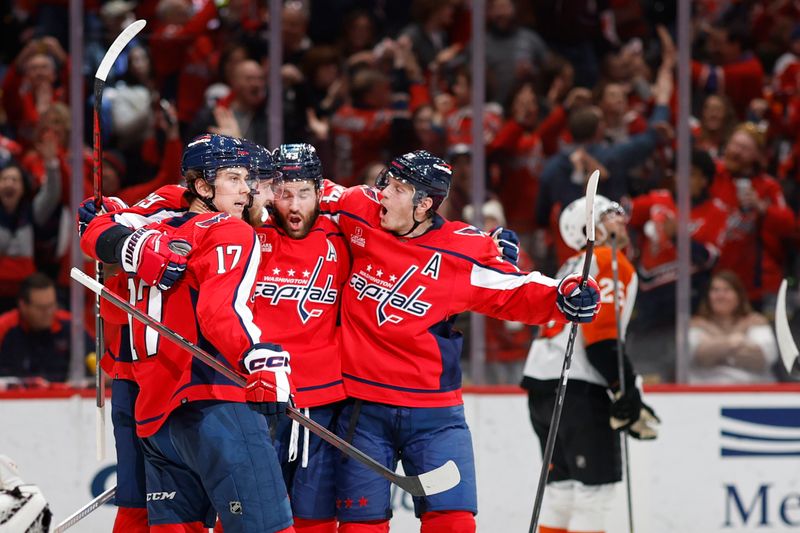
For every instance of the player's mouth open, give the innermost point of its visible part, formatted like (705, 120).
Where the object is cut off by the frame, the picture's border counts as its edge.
(383, 211)
(295, 221)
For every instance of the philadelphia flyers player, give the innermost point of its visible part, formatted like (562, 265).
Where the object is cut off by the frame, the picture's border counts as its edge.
(412, 272)
(206, 453)
(586, 462)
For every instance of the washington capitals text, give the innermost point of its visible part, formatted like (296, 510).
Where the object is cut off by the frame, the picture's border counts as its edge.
(304, 293)
(391, 296)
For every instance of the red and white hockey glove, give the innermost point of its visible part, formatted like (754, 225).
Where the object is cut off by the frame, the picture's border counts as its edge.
(576, 303)
(268, 388)
(87, 211)
(150, 254)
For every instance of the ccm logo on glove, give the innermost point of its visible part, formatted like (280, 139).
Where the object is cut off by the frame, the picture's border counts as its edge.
(254, 364)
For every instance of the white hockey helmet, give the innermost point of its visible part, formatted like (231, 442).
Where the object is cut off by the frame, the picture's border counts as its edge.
(572, 222)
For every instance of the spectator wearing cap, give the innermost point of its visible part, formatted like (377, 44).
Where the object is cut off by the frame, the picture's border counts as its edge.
(33, 82)
(759, 223)
(653, 221)
(35, 337)
(734, 70)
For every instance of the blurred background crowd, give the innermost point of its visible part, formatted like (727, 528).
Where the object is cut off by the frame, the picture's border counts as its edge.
(571, 86)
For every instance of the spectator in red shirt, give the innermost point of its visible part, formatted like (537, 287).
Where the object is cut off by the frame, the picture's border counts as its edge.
(760, 223)
(35, 337)
(362, 129)
(36, 80)
(734, 70)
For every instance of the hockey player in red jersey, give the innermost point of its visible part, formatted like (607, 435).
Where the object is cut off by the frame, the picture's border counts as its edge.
(304, 263)
(586, 463)
(411, 273)
(131, 494)
(206, 452)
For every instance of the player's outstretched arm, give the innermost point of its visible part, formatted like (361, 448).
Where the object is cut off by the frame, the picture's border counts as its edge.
(498, 289)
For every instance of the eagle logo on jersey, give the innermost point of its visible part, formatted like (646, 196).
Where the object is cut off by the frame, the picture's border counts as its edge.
(304, 294)
(207, 223)
(387, 295)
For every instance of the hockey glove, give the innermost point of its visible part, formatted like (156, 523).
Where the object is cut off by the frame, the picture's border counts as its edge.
(576, 303)
(268, 388)
(644, 428)
(625, 410)
(507, 242)
(87, 210)
(149, 254)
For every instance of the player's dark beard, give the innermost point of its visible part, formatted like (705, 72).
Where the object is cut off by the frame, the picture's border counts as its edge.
(304, 230)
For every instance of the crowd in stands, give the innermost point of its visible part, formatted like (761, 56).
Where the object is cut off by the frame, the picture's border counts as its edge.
(571, 86)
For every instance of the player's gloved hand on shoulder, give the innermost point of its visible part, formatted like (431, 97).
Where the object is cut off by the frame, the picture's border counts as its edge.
(507, 242)
(151, 255)
(578, 304)
(87, 211)
(268, 390)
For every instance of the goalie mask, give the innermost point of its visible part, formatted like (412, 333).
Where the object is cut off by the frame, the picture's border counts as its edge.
(572, 222)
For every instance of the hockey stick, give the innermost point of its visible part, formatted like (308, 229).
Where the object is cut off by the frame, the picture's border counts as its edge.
(547, 456)
(86, 510)
(435, 481)
(100, 76)
(786, 345)
(621, 370)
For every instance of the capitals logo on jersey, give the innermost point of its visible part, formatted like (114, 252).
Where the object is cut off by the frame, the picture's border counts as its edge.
(207, 223)
(303, 289)
(386, 289)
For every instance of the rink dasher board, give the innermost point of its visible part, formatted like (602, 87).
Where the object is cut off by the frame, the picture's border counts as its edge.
(726, 459)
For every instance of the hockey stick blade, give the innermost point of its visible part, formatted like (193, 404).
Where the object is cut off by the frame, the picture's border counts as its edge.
(435, 481)
(86, 510)
(116, 47)
(786, 345)
(429, 483)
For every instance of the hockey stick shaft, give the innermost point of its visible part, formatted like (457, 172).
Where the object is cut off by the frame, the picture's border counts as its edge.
(99, 346)
(550, 443)
(621, 373)
(100, 76)
(438, 480)
(86, 510)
